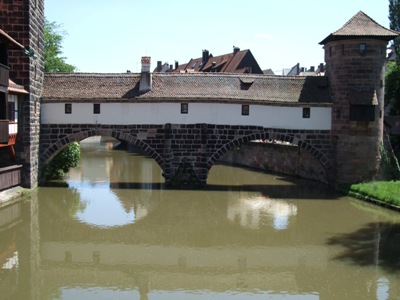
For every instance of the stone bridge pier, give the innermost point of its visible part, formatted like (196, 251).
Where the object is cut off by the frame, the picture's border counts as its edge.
(186, 152)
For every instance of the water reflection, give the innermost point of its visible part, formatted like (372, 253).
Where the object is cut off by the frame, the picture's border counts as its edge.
(254, 211)
(118, 233)
(99, 205)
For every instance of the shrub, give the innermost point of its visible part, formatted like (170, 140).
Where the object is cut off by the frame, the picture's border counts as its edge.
(65, 160)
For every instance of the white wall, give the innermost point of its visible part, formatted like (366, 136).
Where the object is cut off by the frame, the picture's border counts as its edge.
(211, 113)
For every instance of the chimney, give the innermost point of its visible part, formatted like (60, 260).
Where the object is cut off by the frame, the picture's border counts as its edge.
(176, 65)
(159, 63)
(145, 76)
(312, 69)
(321, 67)
(235, 49)
(206, 55)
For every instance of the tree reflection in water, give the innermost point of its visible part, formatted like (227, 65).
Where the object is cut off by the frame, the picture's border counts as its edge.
(374, 244)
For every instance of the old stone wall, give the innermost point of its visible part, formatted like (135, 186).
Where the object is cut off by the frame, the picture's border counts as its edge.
(186, 152)
(277, 158)
(23, 20)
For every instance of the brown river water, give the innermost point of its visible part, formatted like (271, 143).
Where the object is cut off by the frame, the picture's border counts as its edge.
(113, 231)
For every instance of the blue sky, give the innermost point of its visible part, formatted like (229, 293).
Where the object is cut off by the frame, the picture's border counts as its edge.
(111, 36)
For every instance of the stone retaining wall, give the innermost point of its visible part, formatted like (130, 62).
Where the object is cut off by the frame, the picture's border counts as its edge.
(277, 158)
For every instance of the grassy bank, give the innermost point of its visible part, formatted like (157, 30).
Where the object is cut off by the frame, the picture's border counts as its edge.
(383, 192)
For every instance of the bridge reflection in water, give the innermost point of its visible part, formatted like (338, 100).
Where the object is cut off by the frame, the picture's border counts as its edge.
(115, 232)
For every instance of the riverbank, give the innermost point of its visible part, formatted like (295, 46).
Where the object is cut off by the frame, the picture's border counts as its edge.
(383, 193)
(12, 194)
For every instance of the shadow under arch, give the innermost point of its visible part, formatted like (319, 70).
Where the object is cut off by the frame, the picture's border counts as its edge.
(53, 149)
(325, 162)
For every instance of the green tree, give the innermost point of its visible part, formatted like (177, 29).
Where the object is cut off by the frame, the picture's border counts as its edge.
(53, 59)
(68, 158)
(54, 62)
(392, 79)
(392, 88)
(394, 18)
(392, 91)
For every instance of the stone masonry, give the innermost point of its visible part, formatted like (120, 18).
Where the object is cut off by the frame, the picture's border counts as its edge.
(186, 153)
(278, 158)
(24, 21)
(353, 75)
(355, 57)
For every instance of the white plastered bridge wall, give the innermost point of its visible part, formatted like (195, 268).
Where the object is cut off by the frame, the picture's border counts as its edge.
(119, 113)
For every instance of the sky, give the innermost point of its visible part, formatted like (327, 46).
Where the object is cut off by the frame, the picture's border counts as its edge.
(104, 36)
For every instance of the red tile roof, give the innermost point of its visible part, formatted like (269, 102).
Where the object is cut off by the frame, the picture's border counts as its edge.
(361, 25)
(240, 61)
(200, 87)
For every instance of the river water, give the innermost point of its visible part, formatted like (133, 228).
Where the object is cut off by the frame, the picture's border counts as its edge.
(115, 232)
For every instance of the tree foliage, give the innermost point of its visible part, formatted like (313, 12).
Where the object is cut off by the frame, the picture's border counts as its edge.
(392, 85)
(392, 88)
(394, 18)
(392, 91)
(54, 62)
(68, 158)
(53, 59)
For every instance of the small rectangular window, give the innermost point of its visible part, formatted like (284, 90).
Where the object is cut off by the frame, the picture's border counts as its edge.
(184, 108)
(96, 108)
(363, 49)
(245, 110)
(68, 108)
(306, 112)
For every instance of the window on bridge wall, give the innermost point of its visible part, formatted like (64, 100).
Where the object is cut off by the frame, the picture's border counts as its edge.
(184, 108)
(306, 112)
(245, 110)
(96, 108)
(68, 108)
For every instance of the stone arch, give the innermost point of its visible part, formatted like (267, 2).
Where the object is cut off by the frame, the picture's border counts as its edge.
(56, 146)
(322, 158)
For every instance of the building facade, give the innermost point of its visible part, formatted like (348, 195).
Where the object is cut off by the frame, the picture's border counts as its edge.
(24, 21)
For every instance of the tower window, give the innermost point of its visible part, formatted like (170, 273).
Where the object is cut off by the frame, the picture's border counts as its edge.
(363, 49)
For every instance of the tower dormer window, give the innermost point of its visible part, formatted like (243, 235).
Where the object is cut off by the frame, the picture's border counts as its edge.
(363, 49)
